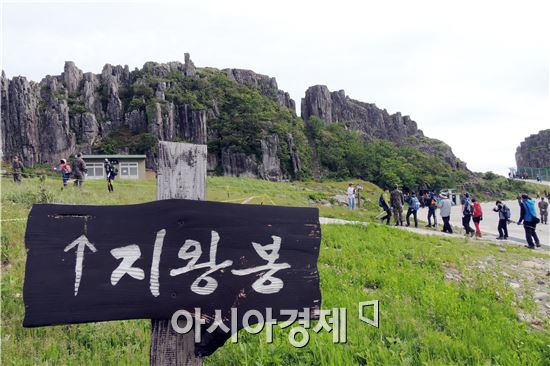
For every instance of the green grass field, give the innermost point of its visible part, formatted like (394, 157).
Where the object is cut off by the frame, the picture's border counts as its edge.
(425, 316)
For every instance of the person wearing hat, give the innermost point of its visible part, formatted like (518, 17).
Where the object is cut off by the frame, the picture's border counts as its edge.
(530, 221)
(503, 217)
(445, 211)
(467, 211)
(414, 205)
(396, 202)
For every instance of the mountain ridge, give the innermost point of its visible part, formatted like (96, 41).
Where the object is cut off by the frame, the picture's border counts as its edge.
(252, 126)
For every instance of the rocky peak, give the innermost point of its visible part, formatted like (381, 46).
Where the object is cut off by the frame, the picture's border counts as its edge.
(370, 121)
(72, 76)
(534, 151)
(189, 67)
(267, 85)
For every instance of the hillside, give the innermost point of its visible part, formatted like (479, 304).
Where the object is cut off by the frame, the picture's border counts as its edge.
(442, 300)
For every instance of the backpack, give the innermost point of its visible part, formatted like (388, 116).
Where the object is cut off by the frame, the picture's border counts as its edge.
(415, 203)
(467, 207)
(506, 212)
(477, 209)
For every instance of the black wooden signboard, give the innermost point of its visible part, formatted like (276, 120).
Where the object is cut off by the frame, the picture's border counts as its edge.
(146, 261)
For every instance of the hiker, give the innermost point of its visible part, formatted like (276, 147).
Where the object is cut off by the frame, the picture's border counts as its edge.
(503, 217)
(530, 221)
(79, 170)
(382, 203)
(396, 203)
(414, 205)
(65, 170)
(351, 196)
(477, 216)
(445, 211)
(467, 210)
(432, 206)
(111, 173)
(543, 208)
(17, 167)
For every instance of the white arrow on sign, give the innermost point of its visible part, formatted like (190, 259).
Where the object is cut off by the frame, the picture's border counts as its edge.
(80, 243)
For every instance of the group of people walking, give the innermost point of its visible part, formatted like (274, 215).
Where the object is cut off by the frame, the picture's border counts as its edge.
(77, 171)
(471, 212)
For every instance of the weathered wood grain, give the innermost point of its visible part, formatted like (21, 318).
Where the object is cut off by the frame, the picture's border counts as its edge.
(181, 173)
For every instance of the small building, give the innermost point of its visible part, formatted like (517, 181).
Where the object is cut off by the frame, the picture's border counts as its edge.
(129, 166)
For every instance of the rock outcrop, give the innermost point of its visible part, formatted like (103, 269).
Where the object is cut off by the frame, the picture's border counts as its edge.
(266, 84)
(76, 111)
(371, 122)
(534, 151)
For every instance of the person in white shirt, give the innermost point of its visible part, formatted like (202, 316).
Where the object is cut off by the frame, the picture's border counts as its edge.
(351, 196)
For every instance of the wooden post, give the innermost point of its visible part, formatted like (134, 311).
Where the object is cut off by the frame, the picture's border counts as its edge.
(181, 173)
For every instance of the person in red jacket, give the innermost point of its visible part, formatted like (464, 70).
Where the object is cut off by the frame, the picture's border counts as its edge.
(477, 216)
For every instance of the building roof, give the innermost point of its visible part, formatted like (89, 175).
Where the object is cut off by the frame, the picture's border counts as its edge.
(114, 156)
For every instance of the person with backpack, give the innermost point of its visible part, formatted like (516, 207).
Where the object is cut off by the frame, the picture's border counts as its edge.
(65, 170)
(432, 206)
(382, 203)
(467, 210)
(414, 205)
(530, 221)
(477, 216)
(503, 217)
(111, 173)
(543, 208)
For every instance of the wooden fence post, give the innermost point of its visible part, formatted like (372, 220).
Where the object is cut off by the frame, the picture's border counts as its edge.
(181, 173)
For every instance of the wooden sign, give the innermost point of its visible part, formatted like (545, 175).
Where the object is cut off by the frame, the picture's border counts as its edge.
(146, 261)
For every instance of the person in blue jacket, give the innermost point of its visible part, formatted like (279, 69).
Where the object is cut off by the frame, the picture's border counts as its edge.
(414, 205)
(530, 220)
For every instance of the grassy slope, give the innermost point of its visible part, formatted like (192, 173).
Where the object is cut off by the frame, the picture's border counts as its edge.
(424, 318)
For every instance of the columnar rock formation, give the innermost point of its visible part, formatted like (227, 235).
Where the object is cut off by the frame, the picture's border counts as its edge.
(61, 115)
(249, 123)
(534, 151)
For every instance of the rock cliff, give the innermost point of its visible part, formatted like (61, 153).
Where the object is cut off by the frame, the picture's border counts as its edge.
(249, 124)
(371, 122)
(534, 151)
(75, 111)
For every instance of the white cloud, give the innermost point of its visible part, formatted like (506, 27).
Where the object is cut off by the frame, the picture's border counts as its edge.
(474, 74)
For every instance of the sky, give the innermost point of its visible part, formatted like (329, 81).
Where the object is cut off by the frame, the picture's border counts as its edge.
(474, 74)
